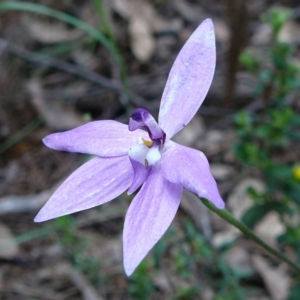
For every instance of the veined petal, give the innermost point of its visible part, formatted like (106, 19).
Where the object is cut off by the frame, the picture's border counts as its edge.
(104, 138)
(96, 182)
(149, 216)
(190, 168)
(189, 80)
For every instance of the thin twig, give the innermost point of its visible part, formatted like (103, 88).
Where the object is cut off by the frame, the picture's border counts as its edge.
(77, 278)
(59, 64)
(72, 69)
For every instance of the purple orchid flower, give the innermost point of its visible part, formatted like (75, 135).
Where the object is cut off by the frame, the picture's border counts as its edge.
(142, 155)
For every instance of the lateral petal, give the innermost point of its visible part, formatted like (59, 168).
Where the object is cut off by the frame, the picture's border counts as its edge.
(96, 182)
(190, 168)
(103, 138)
(189, 80)
(149, 216)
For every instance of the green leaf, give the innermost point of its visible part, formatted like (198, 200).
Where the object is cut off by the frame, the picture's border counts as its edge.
(295, 292)
(255, 214)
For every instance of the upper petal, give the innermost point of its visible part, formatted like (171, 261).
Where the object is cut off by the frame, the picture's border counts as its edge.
(149, 215)
(189, 80)
(189, 167)
(96, 182)
(142, 119)
(104, 138)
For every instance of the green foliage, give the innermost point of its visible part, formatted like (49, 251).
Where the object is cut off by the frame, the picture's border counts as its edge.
(266, 136)
(249, 61)
(141, 286)
(262, 137)
(75, 247)
(295, 292)
(186, 293)
(276, 18)
(255, 214)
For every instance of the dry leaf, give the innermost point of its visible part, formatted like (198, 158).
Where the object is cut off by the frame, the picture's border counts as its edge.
(221, 171)
(50, 33)
(225, 237)
(238, 203)
(191, 13)
(262, 35)
(276, 279)
(56, 117)
(12, 204)
(222, 31)
(212, 142)
(269, 228)
(239, 200)
(85, 59)
(238, 258)
(143, 22)
(8, 245)
(198, 212)
(142, 40)
(289, 33)
(191, 132)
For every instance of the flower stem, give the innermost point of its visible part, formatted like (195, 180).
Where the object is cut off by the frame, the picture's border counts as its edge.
(226, 215)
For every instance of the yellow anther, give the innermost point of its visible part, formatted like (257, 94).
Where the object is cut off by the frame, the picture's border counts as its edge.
(147, 143)
(296, 172)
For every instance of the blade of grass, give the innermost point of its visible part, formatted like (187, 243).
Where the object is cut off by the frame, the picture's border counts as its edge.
(20, 135)
(108, 31)
(34, 234)
(61, 49)
(41, 9)
(96, 34)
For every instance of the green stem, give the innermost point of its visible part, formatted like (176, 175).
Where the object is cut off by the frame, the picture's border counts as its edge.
(227, 216)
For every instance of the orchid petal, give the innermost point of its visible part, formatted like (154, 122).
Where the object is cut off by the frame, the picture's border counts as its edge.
(189, 80)
(149, 216)
(190, 168)
(141, 173)
(96, 182)
(104, 138)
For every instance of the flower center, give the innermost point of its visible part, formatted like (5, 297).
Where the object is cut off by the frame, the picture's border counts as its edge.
(146, 152)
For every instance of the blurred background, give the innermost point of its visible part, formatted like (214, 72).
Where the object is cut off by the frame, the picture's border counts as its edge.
(64, 63)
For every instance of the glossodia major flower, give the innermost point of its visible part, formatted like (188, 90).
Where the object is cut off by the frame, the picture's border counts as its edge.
(143, 155)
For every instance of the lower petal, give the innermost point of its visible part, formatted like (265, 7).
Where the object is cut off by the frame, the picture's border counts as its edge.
(190, 168)
(96, 182)
(149, 216)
